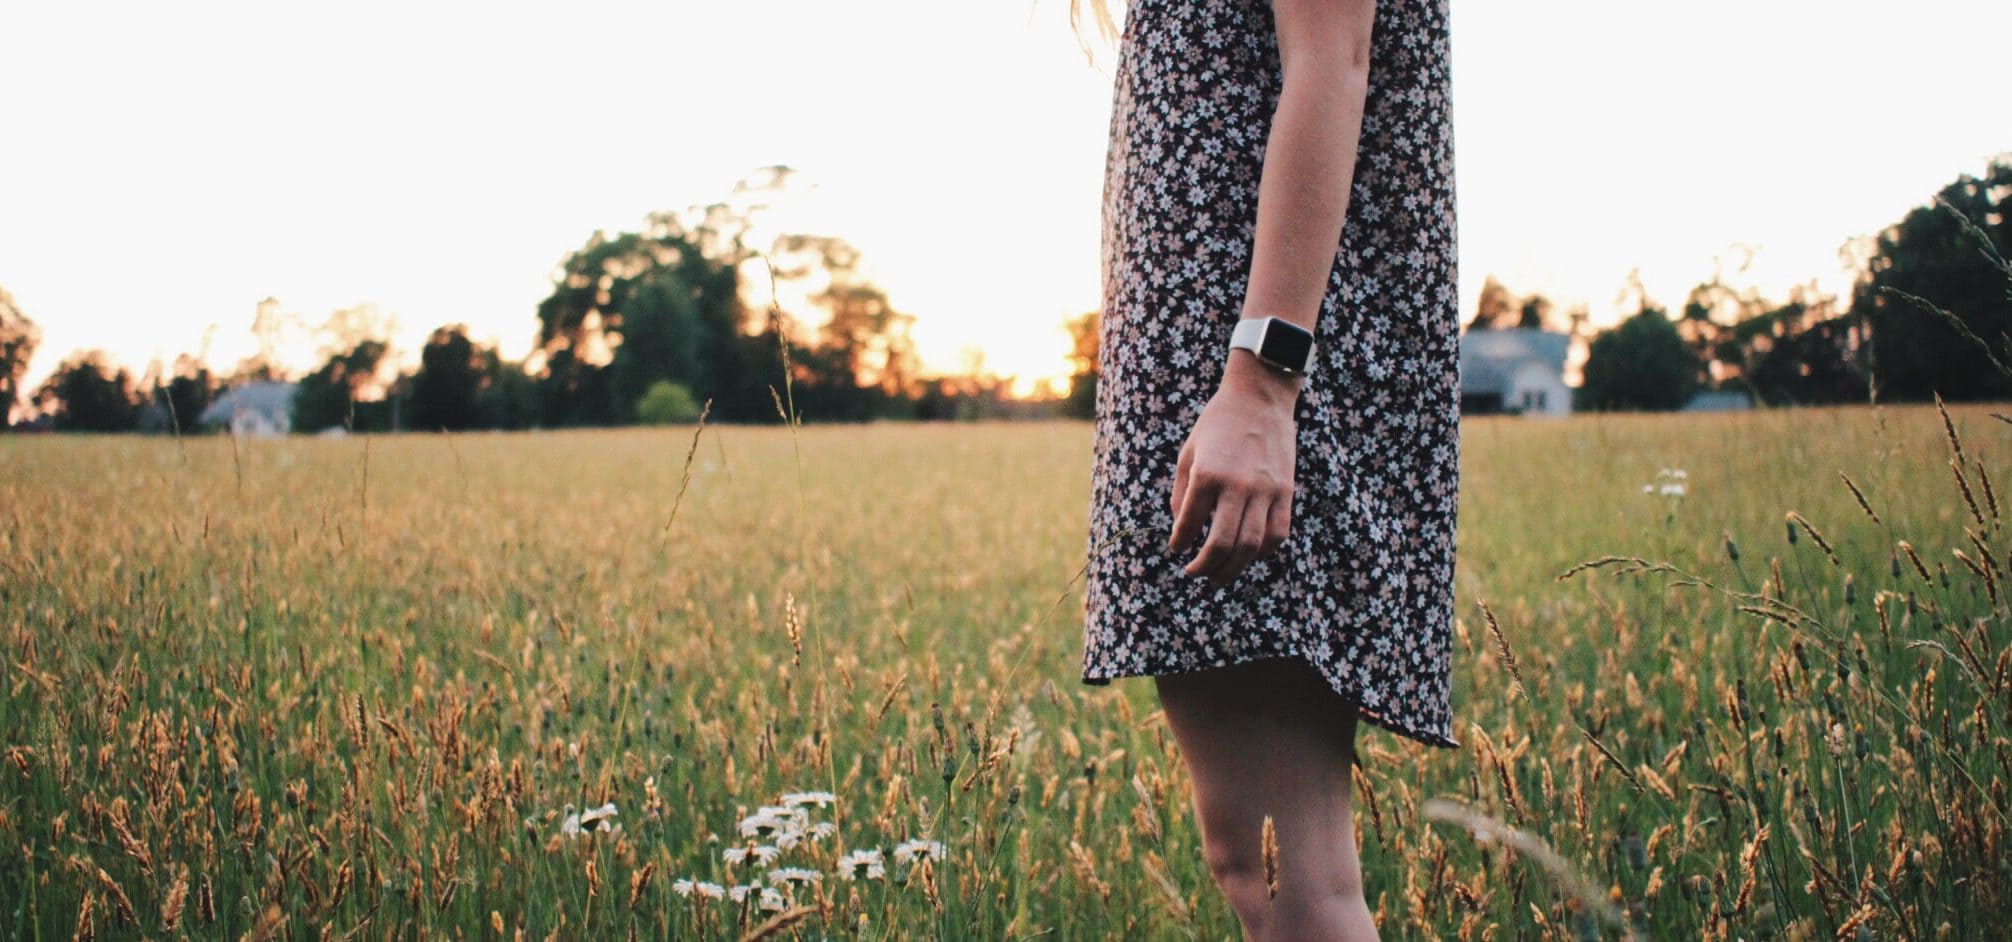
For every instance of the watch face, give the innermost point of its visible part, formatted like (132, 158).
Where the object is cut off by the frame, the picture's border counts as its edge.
(1286, 344)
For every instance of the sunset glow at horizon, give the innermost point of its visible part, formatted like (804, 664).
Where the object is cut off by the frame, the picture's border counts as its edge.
(170, 166)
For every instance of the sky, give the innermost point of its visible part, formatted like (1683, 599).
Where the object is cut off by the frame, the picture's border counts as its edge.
(165, 167)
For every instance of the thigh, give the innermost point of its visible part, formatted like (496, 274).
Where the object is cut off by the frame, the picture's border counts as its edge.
(1267, 737)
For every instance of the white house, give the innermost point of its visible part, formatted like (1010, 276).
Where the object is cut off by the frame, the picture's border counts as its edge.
(255, 409)
(1720, 401)
(1517, 370)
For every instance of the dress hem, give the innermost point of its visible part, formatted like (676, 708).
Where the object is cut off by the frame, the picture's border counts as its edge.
(1438, 739)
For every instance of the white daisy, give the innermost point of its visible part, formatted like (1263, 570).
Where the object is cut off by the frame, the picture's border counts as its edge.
(686, 887)
(761, 852)
(590, 821)
(799, 799)
(770, 820)
(794, 875)
(861, 864)
(917, 849)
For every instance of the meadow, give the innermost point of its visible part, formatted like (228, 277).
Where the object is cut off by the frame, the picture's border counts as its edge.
(1718, 676)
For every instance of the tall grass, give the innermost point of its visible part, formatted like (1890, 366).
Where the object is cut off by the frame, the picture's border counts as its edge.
(251, 692)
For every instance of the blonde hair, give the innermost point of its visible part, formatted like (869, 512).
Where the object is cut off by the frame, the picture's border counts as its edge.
(1100, 13)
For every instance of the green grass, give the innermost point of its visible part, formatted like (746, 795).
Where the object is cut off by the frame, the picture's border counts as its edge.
(356, 684)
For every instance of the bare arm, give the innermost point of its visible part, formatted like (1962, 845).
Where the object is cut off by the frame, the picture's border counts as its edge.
(1235, 470)
(1309, 159)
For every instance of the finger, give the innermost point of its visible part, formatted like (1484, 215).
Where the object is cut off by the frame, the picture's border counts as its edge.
(1229, 514)
(1250, 538)
(1198, 500)
(1180, 489)
(1279, 526)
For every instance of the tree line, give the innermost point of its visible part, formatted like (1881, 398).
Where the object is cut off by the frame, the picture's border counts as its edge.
(1930, 313)
(649, 326)
(653, 325)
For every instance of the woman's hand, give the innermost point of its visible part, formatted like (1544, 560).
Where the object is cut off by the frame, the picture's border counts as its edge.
(1235, 470)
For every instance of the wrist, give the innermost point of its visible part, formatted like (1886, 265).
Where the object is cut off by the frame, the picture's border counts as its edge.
(1244, 373)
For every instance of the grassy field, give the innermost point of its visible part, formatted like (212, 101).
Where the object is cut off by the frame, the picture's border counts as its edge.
(313, 688)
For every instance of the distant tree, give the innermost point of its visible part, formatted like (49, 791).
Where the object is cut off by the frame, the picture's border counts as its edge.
(511, 399)
(18, 338)
(1807, 358)
(663, 338)
(1085, 355)
(1499, 308)
(1952, 257)
(1535, 312)
(330, 395)
(862, 360)
(87, 393)
(629, 310)
(186, 394)
(667, 403)
(453, 373)
(270, 327)
(1642, 363)
(346, 327)
(667, 303)
(1496, 307)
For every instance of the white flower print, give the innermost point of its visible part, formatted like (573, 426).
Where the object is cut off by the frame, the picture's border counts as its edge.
(1362, 587)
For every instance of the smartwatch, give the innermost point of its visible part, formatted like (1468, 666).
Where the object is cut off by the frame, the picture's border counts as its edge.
(1276, 341)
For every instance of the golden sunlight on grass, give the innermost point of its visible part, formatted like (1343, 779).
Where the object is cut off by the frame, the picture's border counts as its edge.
(492, 685)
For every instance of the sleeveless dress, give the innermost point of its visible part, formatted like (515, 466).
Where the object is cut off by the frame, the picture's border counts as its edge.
(1362, 589)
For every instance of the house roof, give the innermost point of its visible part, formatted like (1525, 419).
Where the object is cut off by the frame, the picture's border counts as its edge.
(275, 400)
(1716, 400)
(1489, 358)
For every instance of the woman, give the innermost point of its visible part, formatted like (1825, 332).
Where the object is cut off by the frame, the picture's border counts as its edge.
(1272, 527)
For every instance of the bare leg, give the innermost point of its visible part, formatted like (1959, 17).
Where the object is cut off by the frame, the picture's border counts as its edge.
(1270, 737)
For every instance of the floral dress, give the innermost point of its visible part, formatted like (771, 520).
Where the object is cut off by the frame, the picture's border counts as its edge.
(1362, 589)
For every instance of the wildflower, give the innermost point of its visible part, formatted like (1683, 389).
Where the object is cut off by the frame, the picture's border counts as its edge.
(912, 850)
(799, 799)
(772, 901)
(740, 893)
(822, 829)
(761, 852)
(686, 887)
(794, 875)
(590, 821)
(1669, 482)
(770, 820)
(861, 864)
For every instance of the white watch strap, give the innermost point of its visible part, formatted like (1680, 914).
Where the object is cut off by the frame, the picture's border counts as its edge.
(1249, 333)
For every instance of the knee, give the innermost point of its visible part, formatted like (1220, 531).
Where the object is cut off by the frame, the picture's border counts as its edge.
(1238, 868)
(1234, 862)
(1240, 876)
